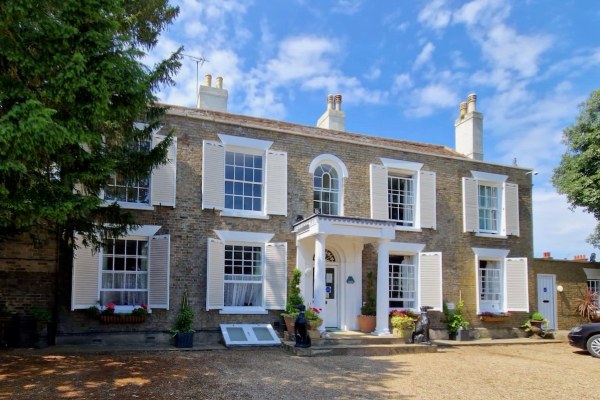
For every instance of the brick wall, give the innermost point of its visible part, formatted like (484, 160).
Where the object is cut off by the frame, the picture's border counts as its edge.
(569, 275)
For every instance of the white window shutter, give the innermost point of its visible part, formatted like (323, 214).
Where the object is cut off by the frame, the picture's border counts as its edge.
(427, 199)
(430, 280)
(164, 177)
(517, 293)
(158, 272)
(379, 192)
(86, 276)
(511, 191)
(215, 275)
(213, 175)
(276, 183)
(470, 205)
(276, 276)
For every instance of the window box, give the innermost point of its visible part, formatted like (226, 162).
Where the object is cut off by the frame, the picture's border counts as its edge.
(494, 318)
(122, 319)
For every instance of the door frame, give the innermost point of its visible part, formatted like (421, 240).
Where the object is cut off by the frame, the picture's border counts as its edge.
(552, 322)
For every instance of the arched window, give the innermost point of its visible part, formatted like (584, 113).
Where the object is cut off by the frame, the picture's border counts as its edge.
(326, 190)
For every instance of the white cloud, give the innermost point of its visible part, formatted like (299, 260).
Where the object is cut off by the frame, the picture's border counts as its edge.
(430, 98)
(435, 15)
(373, 73)
(401, 83)
(424, 56)
(348, 7)
(482, 12)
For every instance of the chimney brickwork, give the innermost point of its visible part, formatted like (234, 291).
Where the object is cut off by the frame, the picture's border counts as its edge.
(212, 98)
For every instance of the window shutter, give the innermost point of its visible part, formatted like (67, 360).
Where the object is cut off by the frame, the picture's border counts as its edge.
(517, 294)
(215, 296)
(276, 183)
(430, 280)
(470, 205)
(276, 276)
(163, 182)
(427, 199)
(512, 209)
(86, 273)
(379, 192)
(213, 175)
(158, 272)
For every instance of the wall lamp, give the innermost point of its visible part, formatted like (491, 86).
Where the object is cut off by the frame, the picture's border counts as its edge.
(531, 172)
(350, 280)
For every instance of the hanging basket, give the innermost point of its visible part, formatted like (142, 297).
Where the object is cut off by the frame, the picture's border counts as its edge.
(122, 319)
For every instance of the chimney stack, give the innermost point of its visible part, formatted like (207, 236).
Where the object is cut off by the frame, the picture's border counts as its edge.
(333, 118)
(212, 98)
(468, 130)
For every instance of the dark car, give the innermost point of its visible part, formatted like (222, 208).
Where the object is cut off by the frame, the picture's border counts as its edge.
(586, 337)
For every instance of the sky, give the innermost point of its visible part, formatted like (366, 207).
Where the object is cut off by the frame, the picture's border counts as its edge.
(402, 68)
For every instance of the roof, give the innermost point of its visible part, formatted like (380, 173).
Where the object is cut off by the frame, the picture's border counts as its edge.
(313, 131)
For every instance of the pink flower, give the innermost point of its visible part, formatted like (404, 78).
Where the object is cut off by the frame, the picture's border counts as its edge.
(110, 306)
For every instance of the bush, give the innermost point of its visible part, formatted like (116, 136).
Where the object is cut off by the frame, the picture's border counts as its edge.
(294, 297)
(369, 306)
(454, 319)
(536, 316)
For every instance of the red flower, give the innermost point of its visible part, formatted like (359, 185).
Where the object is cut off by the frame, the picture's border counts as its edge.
(110, 306)
(145, 307)
(316, 310)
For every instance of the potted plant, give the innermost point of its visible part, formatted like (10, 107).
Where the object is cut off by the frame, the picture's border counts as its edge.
(182, 330)
(43, 318)
(313, 317)
(588, 306)
(402, 323)
(367, 319)
(294, 299)
(456, 322)
(535, 324)
(488, 316)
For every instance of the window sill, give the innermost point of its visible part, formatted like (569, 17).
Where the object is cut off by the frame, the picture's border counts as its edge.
(241, 214)
(491, 235)
(131, 206)
(407, 228)
(243, 310)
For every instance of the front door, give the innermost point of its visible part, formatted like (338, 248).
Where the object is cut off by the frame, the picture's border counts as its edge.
(546, 287)
(330, 313)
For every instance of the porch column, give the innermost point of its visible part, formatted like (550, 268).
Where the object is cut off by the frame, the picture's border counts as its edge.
(319, 283)
(383, 272)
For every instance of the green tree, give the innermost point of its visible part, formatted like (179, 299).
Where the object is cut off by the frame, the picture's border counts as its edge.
(72, 84)
(578, 175)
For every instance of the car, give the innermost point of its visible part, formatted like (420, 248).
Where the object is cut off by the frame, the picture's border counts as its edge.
(586, 337)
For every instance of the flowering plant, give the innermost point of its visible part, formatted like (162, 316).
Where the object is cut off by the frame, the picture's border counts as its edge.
(140, 310)
(408, 312)
(312, 313)
(493, 314)
(109, 309)
(401, 320)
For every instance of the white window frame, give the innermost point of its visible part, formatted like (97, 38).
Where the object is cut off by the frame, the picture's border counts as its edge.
(87, 271)
(415, 282)
(507, 210)
(514, 280)
(162, 194)
(274, 176)
(249, 335)
(342, 172)
(594, 285)
(274, 280)
(424, 192)
(261, 266)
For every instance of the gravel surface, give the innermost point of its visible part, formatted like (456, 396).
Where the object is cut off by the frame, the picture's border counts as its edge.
(547, 371)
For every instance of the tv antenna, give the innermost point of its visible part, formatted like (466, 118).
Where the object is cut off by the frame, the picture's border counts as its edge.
(199, 62)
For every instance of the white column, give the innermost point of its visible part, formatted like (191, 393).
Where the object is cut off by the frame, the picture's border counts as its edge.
(319, 283)
(383, 272)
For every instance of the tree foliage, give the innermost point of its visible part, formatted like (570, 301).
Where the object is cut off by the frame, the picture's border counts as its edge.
(72, 84)
(578, 175)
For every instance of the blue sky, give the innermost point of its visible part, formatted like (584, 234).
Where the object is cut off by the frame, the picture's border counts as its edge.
(402, 68)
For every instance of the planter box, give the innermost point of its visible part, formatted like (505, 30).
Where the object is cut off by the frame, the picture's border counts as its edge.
(122, 319)
(463, 335)
(493, 318)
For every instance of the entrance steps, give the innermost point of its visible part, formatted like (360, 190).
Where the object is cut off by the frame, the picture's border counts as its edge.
(356, 344)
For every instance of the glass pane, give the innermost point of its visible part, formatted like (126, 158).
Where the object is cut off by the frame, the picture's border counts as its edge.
(131, 247)
(237, 334)
(262, 334)
(119, 264)
(119, 247)
(118, 281)
(142, 281)
(130, 281)
(107, 281)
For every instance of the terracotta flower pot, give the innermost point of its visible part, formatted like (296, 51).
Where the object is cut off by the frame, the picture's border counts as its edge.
(367, 323)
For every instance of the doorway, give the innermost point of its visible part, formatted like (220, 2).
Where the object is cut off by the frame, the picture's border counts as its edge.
(330, 312)
(546, 288)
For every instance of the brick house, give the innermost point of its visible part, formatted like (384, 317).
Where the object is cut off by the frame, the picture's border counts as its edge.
(244, 200)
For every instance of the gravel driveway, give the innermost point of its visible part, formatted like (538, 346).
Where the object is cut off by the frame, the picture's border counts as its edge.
(545, 371)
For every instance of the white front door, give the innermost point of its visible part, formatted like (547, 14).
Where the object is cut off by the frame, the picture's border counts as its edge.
(330, 313)
(546, 288)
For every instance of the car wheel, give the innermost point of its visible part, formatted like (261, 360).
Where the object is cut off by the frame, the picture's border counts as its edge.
(593, 345)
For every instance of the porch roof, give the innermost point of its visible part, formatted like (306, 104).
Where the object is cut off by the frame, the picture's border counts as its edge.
(344, 226)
